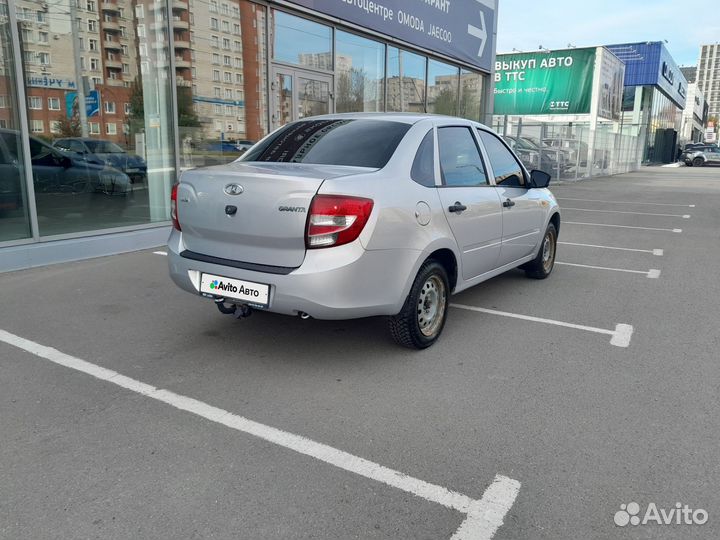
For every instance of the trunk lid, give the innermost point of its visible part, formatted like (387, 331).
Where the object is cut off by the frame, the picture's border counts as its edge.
(268, 226)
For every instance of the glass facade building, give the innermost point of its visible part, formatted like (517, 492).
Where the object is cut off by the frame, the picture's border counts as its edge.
(103, 103)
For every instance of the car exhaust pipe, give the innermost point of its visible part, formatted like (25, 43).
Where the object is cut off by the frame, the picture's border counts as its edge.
(239, 311)
(304, 316)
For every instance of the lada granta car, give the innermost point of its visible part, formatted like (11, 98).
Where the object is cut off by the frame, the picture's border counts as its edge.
(355, 215)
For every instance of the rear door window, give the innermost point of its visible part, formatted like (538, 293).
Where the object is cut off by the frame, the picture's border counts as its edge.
(423, 167)
(460, 161)
(352, 142)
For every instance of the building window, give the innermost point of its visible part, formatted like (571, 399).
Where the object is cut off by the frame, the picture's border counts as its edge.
(90, 5)
(37, 126)
(43, 37)
(124, 49)
(236, 11)
(110, 107)
(236, 29)
(229, 110)
(53, 104)
(228, 93)
(44, 58)
(442, 88)
(92, 25)
(111, 129)
(213, 6)
(238, 78)
(94, 64)
(3, 102)
(216, 75)
(55, 126)
(238, 63)
(226, 26)
(41, 17)
(227, 61)
(225, 10)
(226, 44)
(360, 65)
(95, 128)
(193, 72)
(215, 42)
(217, 92)
(218, 108)
(228, 77)
(214, 24)
(126, 108)
(35, 102)
(238, 46)
(126, 69)
(93, 44)
(215, 58)
(299, 41)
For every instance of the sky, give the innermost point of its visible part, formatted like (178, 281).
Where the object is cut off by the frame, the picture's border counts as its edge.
(524, 25)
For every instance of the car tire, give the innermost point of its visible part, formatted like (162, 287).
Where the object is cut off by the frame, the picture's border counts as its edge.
(542, 265)
(698, 162)
(422, 318)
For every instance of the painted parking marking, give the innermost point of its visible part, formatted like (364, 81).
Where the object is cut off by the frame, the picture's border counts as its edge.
(484, 515)
(684, 216)
(620, 336)
(621, 226)
(160, 253)
(652, 273)
(656, 252)
(625, 202)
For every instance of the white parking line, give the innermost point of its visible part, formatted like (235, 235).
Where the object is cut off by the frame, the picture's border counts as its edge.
(684, 216)
(652, 273)
(625, 202)
(657, 252)
(620, 336)
(484, 515)
(160, 253)
(621, 226)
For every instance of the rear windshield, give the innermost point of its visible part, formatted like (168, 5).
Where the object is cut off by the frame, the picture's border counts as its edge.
(359, 143)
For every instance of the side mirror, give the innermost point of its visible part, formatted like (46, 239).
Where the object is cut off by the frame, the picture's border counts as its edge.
(539, 179)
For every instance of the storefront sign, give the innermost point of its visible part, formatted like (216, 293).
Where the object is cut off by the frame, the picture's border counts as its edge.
(92, 103)
(612, 74)
(544, 82)
(50, 82)
(218, 101)
(462, 29)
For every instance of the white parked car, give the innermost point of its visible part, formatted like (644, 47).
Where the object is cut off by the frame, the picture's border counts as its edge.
(356, 215)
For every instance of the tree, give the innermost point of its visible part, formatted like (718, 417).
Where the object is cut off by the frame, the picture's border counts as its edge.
(136, 117)
(351, 91)
(446, 102)
(186, 113)
(69, 127)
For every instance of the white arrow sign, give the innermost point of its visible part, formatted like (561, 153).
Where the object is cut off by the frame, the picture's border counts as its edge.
(480, 33)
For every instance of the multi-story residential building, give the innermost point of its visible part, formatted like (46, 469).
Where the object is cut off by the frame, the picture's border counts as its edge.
(708, 76)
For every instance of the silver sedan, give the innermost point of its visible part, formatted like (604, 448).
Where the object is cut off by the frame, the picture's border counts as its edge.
(355, 215)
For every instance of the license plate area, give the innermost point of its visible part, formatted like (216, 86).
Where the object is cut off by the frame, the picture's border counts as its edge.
(249, 292)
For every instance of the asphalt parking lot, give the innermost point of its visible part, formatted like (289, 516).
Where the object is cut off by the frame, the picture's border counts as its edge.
(545, 406)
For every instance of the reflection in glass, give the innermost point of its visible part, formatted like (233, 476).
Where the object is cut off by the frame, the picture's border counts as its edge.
(442, 88)
(360, 68)
(406, 81)
(99, 112)
(303, 42)
(313, 97)
(284, 99)
(14, 215)
(471, 92)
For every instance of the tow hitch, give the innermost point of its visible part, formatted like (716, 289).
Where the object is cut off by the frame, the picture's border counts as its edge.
(239, 311)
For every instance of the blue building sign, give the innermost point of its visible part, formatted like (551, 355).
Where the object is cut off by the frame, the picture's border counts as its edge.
(650, 64)
(461, 29)
(92, 103)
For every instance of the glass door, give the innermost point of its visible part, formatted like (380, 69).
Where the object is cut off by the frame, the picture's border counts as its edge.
(298, 94)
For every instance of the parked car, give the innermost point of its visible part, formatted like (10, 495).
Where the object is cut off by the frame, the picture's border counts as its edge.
(699, 157)
(533, 156)
(102, 152)
(221, 146)
(356, 215)
(54, 171)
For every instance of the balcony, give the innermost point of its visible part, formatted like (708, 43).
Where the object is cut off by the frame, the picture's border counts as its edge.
(181, 63)
(111, 26)
(113, 64)
(183, 83)
(109, 7)
(179, 5)
(112, 46)
(114, 82)
(180, 24)
(181, 44)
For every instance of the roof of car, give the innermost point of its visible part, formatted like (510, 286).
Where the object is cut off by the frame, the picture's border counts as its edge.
(405, 117)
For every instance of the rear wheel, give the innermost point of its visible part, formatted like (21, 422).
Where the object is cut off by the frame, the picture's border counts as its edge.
(698, 162)
(422, 318)
(542, 265)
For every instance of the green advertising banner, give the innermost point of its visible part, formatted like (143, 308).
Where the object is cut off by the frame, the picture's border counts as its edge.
(557, 82)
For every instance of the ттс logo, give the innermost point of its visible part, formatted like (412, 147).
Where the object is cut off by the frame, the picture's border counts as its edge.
(679, 515)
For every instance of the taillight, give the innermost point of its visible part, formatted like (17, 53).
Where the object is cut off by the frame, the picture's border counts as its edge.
(335, 220)
(173, 207)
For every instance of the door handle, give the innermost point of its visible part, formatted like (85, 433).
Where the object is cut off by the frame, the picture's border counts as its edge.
(508, 203)
(457, 207)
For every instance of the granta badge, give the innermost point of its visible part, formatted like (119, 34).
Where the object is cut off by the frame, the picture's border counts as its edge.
(300, 209)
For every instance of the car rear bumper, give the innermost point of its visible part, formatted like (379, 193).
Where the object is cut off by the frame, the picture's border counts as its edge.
(345, 282)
